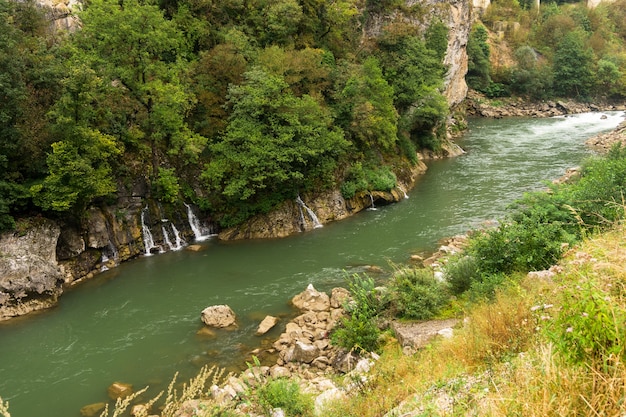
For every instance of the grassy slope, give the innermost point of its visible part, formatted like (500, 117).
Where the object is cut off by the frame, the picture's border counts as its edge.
(514, 356)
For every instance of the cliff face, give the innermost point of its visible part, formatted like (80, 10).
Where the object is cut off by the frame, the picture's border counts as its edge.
(457, 16)
(30, 277)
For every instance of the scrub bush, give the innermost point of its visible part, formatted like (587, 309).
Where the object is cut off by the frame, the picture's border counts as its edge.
(284, 394)
(417, 294)
(359, 329)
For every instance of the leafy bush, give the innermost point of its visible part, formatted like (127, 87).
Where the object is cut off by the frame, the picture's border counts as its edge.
(461, 272)
(284, 394)
(359, 329)
(362, 178)
(166, 186)
(417, 294)
(590, 325)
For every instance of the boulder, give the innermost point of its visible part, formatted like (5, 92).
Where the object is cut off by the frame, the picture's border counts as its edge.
(304, 352)
(417, 335)
(311, 299)
(194, 248)
(119, 390)
(219, 316)
(338, 296)
(92, 410)
(266, 325)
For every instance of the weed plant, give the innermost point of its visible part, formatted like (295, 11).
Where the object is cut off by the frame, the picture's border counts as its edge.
(416, 294)
(284, 394)
(359, 329)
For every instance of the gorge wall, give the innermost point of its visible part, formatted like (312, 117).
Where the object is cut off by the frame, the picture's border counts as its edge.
(46, 256)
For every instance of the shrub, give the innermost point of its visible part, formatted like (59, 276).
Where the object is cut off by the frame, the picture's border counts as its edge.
(590, 325)
(359, 329)
(284, 394)
(417, 294)
(461, 272)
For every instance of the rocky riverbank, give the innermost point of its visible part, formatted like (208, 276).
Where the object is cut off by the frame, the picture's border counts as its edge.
(605, 141)
(480, 106)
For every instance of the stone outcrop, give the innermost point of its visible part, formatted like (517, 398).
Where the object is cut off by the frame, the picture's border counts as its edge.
(119, 390)
(417, 335)
(30, 278)
(219, 316)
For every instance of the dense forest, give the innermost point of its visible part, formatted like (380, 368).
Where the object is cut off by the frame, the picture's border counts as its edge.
(564, 49)
(238, 105)
(233, 105)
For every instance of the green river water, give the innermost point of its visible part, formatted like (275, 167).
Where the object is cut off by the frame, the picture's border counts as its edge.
(137, 323)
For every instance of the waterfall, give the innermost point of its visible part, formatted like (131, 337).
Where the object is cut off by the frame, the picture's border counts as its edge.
(194, 223)
(148, 240)
(403, 192)
(166, 237)
(103, 261)
(372, 206)
(180, 242)
(314, 219)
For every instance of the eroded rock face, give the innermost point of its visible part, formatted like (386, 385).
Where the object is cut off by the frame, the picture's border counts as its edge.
(312, 300)
(218, 316)
(30, 278)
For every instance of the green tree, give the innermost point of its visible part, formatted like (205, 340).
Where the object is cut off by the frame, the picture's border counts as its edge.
(131, 44)
(79, 171)
(478, 66)
(573, 66)
(372, 120)
(275, 145)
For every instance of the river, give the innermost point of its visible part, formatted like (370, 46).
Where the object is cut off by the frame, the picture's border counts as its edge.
(137, 323)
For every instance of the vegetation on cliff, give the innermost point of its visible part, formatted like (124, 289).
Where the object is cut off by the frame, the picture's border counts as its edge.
(562, 49)
(234, 106)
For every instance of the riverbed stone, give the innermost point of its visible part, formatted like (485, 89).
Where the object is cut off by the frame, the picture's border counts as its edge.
(92, 410)
(219, 316)
(266, 325)
(339, 296)
(304, 352)
(311, 299)
(119, 390)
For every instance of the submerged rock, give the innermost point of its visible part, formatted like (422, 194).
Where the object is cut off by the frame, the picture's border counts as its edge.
(119, 390)
(218, 316)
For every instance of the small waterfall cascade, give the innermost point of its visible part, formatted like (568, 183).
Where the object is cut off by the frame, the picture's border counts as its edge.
(406, 197)
(312, 216)
(195, 225)
(148, 240)
(372, 206)
(104, 261)
(180, 242)
(166, 237)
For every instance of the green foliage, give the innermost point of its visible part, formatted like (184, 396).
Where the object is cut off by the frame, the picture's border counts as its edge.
(589, 326)
(417, 294)
(359, 330)
(166, 186)
(478, 58)
(437, 38)
(80, 171)
(284, 394)
(274, 144)
(361, 179)
(368, 100)
(460, 272)
(573, 66)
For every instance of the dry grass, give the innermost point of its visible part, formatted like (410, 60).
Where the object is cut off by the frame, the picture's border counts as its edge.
(4, 408)
(195, 389)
